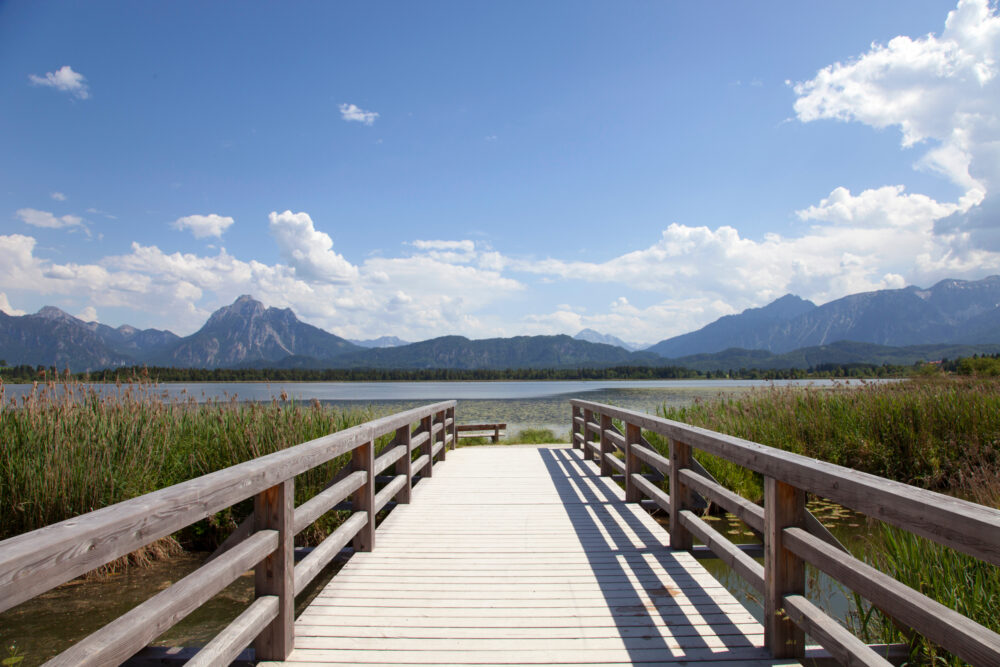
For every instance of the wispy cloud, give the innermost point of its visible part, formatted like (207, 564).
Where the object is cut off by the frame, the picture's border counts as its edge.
(96, 211)
(64, 79)
(351, 112)
(37, 218)
(58, 196)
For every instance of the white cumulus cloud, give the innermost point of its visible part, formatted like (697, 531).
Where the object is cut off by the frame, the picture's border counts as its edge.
(351, 112)
(204, 226)
(876, 239)
(942, 92)
(64, 79)
(88, 314)
(309, 251)
(5, 306)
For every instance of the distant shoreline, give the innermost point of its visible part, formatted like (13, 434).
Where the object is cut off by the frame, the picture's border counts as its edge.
(854, 370)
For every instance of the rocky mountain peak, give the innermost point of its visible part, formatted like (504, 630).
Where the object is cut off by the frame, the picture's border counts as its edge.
(244, 308)
(785, 308)
(53, 313)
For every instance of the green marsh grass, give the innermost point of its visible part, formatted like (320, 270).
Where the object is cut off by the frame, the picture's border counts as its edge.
(925, 432)
(937, 432)
(528, 436)
(534, 436)
(960, 582)
(66, 450)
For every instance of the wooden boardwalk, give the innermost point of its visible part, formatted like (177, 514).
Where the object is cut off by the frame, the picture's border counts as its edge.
(524, 555)
(515, 555)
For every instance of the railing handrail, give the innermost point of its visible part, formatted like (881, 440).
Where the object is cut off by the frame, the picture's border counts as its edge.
(35, 562)
(791, 536)
(968, 527)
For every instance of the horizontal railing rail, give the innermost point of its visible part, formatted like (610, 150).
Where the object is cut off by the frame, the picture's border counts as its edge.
(35, 562)
(792, 537)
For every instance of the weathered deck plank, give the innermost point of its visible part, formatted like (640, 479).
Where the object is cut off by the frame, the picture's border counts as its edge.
(524, 555)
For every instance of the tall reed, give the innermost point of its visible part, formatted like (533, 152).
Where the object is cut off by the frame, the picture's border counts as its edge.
(937, 432)
(924, 432)
(65, 449)
(958, 581)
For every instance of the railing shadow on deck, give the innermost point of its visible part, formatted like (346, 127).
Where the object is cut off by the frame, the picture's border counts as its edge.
(651, 596)
(792, 537)
(35, 562)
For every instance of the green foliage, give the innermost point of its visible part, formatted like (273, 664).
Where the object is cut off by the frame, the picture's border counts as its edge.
(983, 366)
(14, 656)
(65, 451)
(476, 441)
(938, 432)
(26, 373)
(528, 436)
(922, 432)
(534, 436)
(963, 583)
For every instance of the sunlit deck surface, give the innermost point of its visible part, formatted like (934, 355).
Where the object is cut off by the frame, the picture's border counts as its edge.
(524, 555)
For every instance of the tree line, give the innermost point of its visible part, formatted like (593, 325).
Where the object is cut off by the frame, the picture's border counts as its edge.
(28, 373)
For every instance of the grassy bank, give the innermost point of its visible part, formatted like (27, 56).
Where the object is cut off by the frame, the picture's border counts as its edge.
(65, 451)
(937, 432)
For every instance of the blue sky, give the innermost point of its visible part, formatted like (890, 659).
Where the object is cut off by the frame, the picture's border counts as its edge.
(486, 169)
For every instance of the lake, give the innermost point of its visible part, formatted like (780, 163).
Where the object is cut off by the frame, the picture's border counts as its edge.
(538, 404)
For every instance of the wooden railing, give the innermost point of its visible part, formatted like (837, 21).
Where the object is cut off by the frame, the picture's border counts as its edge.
(35, 562)
(791, 536)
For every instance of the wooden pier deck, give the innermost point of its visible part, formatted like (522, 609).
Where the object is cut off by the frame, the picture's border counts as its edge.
(524, 555)
(514, 554)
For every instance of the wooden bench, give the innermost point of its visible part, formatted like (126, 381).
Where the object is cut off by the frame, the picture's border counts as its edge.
(493, 431)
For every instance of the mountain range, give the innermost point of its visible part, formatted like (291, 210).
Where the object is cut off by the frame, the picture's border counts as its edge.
(952, 311)
(381, 341)
(592, 336)
(871, 327)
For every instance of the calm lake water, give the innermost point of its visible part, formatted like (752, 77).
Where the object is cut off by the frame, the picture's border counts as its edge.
(540, 404)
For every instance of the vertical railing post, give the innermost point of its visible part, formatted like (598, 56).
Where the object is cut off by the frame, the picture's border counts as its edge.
(427, 426)
(273, 509)
(444, 434)
(784, 572)
(607, 447)
(496, 433)
(633, 466)
(363, 458)
(574, 427)
(403, 464)
(681, 497)
(588, 416)
(450, 414)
